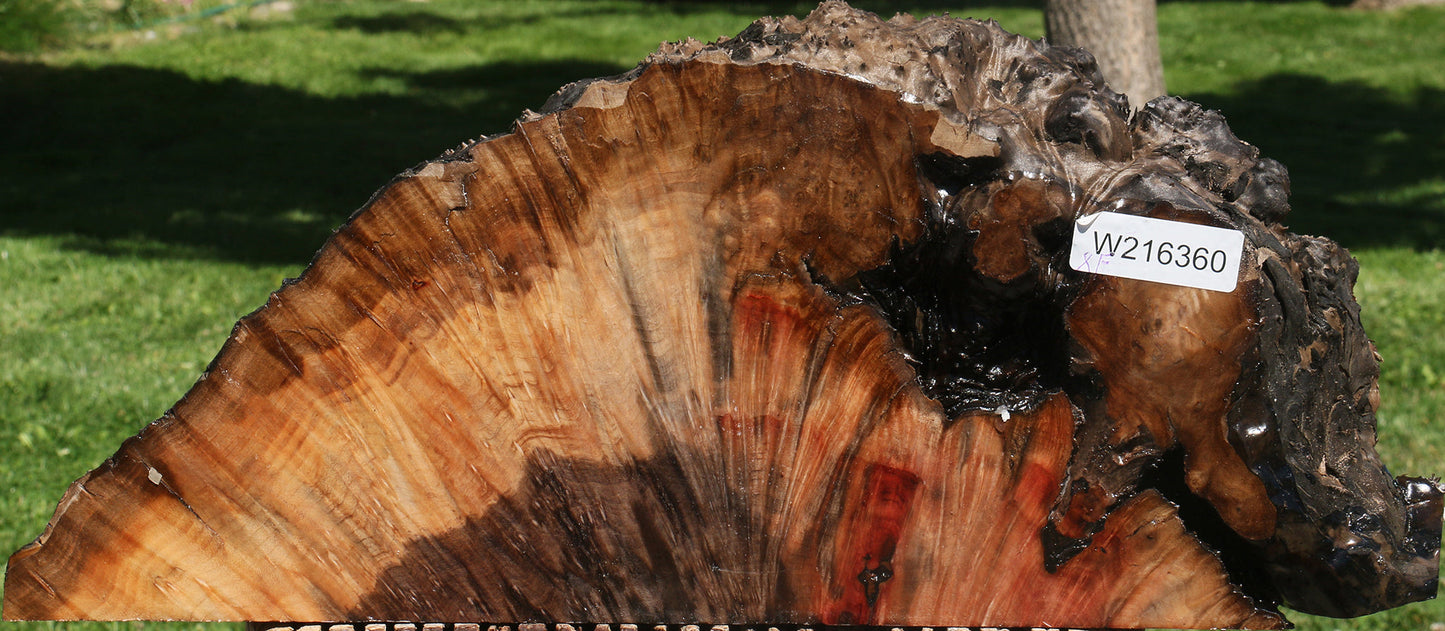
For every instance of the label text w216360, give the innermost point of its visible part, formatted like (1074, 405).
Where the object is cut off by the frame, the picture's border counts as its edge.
(1158, 250)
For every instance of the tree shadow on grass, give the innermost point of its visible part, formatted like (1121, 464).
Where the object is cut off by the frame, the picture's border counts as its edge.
(419, 22)
(1367, 168)
(424, 22)
(125, 160)
(884, 8)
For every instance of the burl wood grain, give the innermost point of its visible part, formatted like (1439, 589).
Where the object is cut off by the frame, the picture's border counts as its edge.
(775, 330)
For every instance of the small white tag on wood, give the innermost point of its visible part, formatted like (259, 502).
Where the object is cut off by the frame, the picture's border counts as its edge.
(1171, 252)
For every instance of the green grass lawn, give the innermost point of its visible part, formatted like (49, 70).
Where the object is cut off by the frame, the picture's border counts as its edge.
(155, 189)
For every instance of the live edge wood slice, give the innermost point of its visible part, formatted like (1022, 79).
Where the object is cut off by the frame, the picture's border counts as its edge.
(782, 330)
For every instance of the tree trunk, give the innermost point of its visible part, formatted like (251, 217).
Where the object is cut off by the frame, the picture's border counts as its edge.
(1123, 36)
(780, 330)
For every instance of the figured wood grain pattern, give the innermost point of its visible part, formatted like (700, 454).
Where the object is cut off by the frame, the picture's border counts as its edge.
(776, 330)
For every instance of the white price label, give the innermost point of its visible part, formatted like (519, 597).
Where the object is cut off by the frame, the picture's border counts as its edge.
(1157, 250)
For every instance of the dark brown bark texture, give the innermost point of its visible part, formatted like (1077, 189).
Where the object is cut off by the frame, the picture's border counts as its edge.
(1123, 37)
(779, 329)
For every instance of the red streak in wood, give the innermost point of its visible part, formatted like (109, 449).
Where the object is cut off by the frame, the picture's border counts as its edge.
(755, 310)
(872, 536)
(1036, 488)
(763, 432)
(737, 425)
